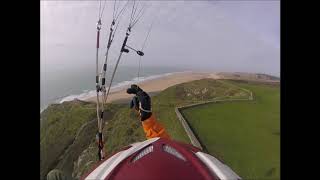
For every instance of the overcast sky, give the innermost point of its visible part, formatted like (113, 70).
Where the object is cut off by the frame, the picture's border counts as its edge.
(213, 35)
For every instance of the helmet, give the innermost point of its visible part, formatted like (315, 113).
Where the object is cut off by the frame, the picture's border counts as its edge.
(160, 158)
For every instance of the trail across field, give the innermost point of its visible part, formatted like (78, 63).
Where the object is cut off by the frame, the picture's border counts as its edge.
(243, 134)
(192, 136)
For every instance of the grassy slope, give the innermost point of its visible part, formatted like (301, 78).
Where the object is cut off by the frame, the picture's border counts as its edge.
(245, 135)
(120, 131)
(61, 123)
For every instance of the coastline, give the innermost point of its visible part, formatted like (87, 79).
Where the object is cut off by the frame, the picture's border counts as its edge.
(152, 84)
(155, 85)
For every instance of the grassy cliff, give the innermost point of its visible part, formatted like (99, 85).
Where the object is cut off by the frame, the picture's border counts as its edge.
(58, 128)
(68, 129)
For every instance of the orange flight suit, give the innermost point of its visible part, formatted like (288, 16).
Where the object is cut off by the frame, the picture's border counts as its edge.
(153, 128)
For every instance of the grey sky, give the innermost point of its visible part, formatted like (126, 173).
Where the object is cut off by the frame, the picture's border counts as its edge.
(214, 35)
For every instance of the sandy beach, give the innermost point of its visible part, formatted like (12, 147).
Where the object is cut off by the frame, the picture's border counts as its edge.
(157, 85)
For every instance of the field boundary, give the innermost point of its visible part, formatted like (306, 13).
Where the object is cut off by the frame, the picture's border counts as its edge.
(193, 138)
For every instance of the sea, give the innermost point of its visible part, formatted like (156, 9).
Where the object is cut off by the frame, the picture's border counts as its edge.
(66, 85)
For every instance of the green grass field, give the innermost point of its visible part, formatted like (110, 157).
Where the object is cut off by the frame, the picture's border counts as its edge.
(245, 134)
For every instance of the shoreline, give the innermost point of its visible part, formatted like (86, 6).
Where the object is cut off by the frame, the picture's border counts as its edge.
(153, 83)
(156, 85)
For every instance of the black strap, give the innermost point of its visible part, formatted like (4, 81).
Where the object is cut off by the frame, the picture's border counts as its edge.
(100, 146)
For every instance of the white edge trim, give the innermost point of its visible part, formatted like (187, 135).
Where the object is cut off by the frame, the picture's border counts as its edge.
(102, 171)
(216, 167)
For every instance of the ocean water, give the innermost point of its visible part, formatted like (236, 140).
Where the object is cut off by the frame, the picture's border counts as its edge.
(57, 86)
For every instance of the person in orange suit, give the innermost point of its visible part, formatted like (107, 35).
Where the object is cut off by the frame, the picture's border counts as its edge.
(141, 102)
